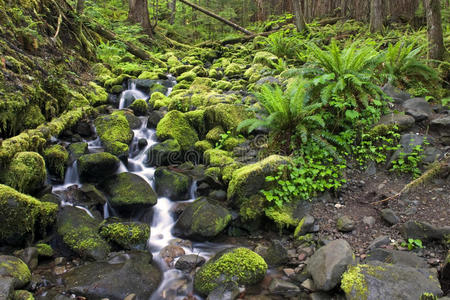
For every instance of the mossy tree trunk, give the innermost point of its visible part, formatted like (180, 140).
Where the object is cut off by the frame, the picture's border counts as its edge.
(376, 15)
(138, 13)
(436, 47)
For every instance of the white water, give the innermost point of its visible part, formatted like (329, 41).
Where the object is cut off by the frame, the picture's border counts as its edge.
(131, 92)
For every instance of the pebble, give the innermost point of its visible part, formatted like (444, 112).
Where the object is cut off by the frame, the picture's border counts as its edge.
(309, 285)
(369, 221)
(288, 272)
(59, 270)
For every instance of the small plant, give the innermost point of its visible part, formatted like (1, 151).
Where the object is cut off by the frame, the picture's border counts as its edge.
(409, 162)
(283, 45)
(412, 244)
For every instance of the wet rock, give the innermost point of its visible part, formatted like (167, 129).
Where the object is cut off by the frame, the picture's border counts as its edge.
(386, 281)
(219, 195)
(79, 233)
(283, 287)
(164, 154)
(115, 133)
(275, 254)
(306, 225)
(131, 297)
(142, 143)
(116, 280)
(418, 108)
(202, 219)
(324, 296)
(175, 125)
(227, 291)
(345, 224)
(240, 265)
(170, 252)
(133, 121)
(403, 258)
(128, 193)
(6, 288)
(389, 216)
(379, 241)
(445, 273)
(127, 235)
(404, 122)
(83, 128)
(29, 256)
(96, 166)
(189, 262)
(328, 264)
(424, 231)
(16, 269)
(153, 118)
(171, 184)
(76, 150)
(395, 93)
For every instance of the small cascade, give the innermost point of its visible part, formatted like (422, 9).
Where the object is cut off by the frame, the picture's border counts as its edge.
(71, 176)
(127, 97)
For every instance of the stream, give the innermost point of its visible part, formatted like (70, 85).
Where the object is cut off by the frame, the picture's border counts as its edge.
(175, 284)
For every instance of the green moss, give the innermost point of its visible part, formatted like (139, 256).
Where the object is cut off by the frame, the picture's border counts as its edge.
(187, 76)
(173, 61)
(129, 235)
(32, 117)
(97, 164)
(23, 295)
(298, 229)
(56, 158)
(78, 149)
(176, 71)
(97, 96)
(213, 73)
(282, 216)
(265, 58)
(148, 75)
(241, 265)
(14, 267)
(175, 126)
(229, 116)
(44, 250)
(101, 73)
(214, 173)
(26, 173)
(115, 133)
(253, 208)
(232, 69)
(139, 107)
(354, 284)
(197, 120)
(218, 158)
(223, 85)
(202, 146)
(22, 215)
(116, 81)
(158, 100)
(117, 89)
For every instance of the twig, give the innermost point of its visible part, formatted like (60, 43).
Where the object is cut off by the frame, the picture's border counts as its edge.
(58, 27)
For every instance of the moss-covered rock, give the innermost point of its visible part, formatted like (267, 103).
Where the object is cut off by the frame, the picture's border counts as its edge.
(158, 100)
(127, 235)
(14, 267)
(32, 117)
(240, 265)
(148, 75)
(214, 73)
(223, 85)
(56, 158)
(218, 158)
(250, 179)
(115, 133)
(139, 107)
(97, 96)
(44, 250)
(23, 295)
(215, 134)
(79, 233)
(128, 193)
(76, 150)
(133, 121)
(101, 73)
(187, 76)
(175, 126)
(204, 145)
(282, 216)
(96, 166)
(26, 173)
(117, 80)
(229, 116)
(197, 120)
(233, 69)
(164, 154)
(177, 71)
(202, 219)
(171, 184)
(265, 58)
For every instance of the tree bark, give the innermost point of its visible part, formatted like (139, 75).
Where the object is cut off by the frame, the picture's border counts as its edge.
(138, 13)
(299, 18)
(217, 17)
(173, 10)
(80, 7)
(376, 15)
(436, 47)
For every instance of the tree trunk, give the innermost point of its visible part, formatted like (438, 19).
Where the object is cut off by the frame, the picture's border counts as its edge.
(376, 15)
(299, 18)
(173, 10)
(217, 17)
(138, 13)
(80, 7)
(436, 47)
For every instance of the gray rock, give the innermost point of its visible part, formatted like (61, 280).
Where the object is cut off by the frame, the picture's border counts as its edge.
(322, 296)
(418, 108)
(115, 280)
(153, 118)
(274, 255)
(389, 216)
(171, 184)
(16, 269)
(202, 219)
(96, 166)
(29, 256)
(328, 264)
(385, 281)
(308, 284)
(219, 195)
(379, 241)
(445, 273)
(407, 144)
(431, 154)
(189, 262)
(164, 154)
(283, 287)
(424, 231)
(396, 94)
(226, 291)
(403, 258)
(404, 122)
(441, 125)
(306, 225)
(345, 224)
(369, 221)
(6, 288)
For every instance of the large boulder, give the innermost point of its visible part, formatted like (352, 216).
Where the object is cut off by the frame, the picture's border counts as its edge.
(164, 154)
(396, 94)
(56, 159)
(251, 179)
(442, 126)
(424, 231)
(386, 281)
(76, 150)
(16, 269)
(79, 232)
(115, 133)
(126, 235)
(404, 122)
(26, 172)
(228, 116)
(240, 265)
(403, 258)
(122, 275)
(418, 108)
(328, 264)
(265, 58)
(176, 126)
(128, 193)
(202, 219)
(6, 288)
(23, 217)
(96, 166)
(171, 184)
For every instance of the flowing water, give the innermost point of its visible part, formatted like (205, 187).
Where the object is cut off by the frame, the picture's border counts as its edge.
(175, 283)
